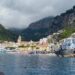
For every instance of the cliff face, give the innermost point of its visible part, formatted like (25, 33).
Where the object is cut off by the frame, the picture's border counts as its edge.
(49, 25)
(41, 24)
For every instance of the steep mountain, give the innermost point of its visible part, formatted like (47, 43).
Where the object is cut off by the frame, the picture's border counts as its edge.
(49, 25)
(41, 24)
(16, 31)
(37, 30)
(6, 34)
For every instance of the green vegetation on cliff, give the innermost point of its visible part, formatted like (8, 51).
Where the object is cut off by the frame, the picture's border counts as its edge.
(67, 32)
(6, 35)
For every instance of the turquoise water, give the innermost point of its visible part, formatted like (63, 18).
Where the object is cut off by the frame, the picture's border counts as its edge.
(36, 65)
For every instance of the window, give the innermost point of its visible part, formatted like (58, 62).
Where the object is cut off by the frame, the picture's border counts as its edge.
(68, 41)
(73, 40)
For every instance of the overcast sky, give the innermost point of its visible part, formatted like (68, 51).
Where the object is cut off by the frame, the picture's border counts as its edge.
(20, 13)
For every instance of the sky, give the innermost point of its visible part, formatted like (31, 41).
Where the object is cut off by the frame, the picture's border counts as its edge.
(20, 13)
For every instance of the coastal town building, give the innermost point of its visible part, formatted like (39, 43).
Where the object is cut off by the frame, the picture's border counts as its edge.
(44, 45)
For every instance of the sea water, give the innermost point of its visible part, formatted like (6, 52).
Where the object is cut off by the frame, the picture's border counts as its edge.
(11, 64)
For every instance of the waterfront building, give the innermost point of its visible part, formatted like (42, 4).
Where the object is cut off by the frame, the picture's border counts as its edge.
(69, 43)
(43, 41)
(68, 46)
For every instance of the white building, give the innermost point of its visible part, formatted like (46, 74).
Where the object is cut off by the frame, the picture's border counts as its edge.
(19, 39)
(69, 44)
(44, 40)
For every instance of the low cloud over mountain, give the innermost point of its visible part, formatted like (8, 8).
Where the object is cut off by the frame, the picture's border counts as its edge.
(20, 13)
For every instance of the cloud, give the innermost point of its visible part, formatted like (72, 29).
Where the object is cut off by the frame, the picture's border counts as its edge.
(20, 13)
